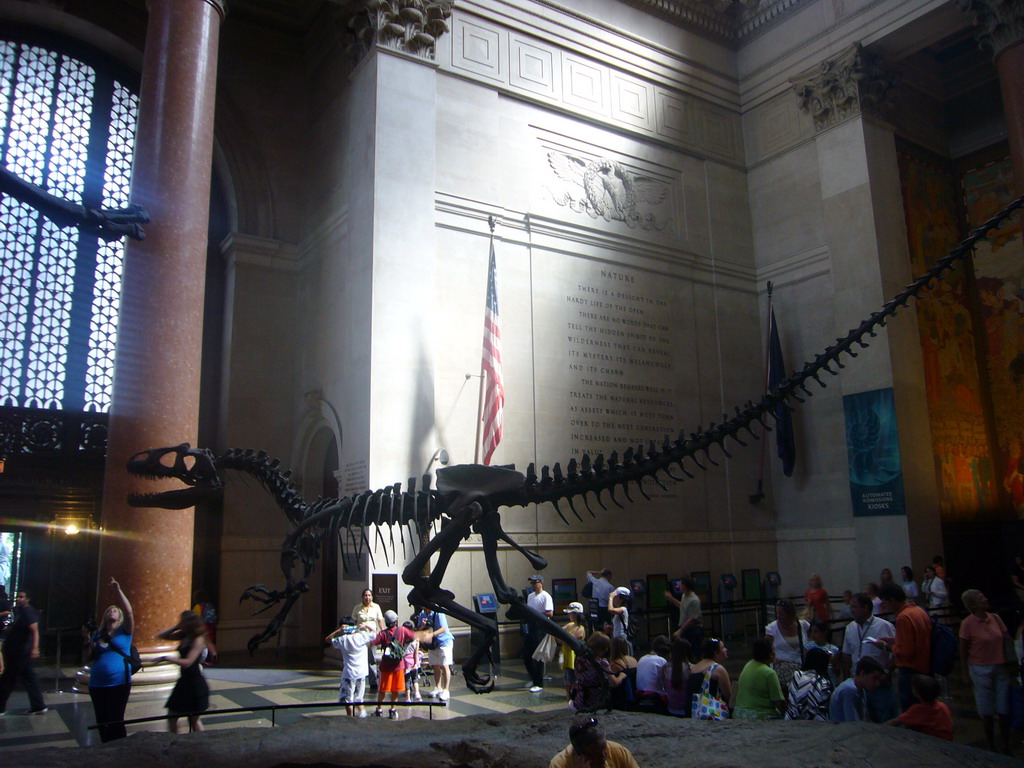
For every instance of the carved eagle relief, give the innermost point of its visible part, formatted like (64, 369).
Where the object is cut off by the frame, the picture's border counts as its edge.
(603, 188)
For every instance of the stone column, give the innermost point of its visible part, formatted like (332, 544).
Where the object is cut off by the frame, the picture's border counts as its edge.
(393, 224)
(156, 381)
(1000, 28)
(847, 97)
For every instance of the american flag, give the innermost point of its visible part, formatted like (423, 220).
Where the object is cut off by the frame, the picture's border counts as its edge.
(494, 387)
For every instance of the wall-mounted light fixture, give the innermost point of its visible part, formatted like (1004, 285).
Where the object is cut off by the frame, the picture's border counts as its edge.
(440, 456)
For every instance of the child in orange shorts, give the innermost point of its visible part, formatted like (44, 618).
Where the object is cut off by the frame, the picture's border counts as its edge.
(392, 666)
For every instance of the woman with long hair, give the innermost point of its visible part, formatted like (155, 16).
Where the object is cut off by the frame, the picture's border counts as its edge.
(622, 662)
(787, 635)
(191, 694)
(594, 677)
(110, 678)
(675, 676)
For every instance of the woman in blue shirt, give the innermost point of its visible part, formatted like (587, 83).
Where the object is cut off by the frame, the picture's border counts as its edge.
(110, 679)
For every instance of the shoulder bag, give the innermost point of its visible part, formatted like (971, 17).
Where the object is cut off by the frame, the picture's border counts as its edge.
(705, 706)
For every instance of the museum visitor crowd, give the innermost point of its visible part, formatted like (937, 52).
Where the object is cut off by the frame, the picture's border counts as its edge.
(897, 651)
(899, 645)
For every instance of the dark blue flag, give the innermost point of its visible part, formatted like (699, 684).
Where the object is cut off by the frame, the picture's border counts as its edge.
(784, 419)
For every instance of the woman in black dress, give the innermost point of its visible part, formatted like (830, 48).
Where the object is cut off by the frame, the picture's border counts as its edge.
(191, 694)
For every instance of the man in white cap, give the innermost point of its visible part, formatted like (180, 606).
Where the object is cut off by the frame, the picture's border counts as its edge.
(541, 602)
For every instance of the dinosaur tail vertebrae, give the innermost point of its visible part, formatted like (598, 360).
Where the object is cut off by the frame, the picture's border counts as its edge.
(588, 476)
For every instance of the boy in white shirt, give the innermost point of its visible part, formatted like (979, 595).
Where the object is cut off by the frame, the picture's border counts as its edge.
(352, 643)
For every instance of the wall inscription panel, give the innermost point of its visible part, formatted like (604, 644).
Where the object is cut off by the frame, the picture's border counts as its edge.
(610, 367)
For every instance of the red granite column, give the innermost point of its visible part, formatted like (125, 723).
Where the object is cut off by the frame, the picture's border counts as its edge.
(1010, 65)
(156, 381)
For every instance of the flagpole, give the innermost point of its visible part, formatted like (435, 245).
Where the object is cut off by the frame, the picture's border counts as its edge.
(756, 497)
(483, 373)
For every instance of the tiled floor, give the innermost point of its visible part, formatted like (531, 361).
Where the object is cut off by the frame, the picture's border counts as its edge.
(299, 679)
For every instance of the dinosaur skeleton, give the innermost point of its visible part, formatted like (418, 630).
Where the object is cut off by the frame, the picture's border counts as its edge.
(468, 498)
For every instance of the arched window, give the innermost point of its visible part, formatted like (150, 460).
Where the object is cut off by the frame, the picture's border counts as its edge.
(67, 124)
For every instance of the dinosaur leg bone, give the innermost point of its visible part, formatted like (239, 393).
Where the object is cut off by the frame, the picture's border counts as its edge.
(277, 622)
(444, 545)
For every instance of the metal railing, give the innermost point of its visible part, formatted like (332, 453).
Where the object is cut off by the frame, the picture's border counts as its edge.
(272, 708)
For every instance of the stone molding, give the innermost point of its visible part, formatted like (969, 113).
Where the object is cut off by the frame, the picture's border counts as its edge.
(410, 26)
(543, 72)
(239, 248)
(731, 20)
(850, 83)
(999, 23)
(544, 233)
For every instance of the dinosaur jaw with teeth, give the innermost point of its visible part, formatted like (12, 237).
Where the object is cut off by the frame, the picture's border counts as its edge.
(193, 467)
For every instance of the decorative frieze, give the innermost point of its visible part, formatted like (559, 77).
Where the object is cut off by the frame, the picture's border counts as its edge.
(540, 71)
(731, 20)
(851, 83)
(411, 26)
(999, 22)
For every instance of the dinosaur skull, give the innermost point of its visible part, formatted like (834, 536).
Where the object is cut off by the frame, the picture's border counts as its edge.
(193, 466)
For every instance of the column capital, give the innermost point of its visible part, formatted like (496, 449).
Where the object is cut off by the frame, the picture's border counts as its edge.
(998, 23)
(852, 82)
(411, 26)
(220, 6)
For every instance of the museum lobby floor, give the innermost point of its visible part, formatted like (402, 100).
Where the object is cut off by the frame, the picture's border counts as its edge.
(236, 682)
(239, 681)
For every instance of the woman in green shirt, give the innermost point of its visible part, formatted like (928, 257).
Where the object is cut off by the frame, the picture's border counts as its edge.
(759, 695)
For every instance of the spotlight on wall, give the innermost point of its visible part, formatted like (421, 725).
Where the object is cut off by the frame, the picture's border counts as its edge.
(441, 456)
(3, 463)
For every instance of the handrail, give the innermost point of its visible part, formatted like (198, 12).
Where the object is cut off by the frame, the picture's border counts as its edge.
(273, 711)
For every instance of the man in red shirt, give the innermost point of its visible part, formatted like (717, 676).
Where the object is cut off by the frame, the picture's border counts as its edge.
(912, 645)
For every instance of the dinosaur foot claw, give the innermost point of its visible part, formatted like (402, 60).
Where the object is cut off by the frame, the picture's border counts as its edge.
(478, 683)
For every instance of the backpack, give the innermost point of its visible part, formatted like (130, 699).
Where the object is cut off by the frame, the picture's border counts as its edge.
(943, 651)
(395, 650)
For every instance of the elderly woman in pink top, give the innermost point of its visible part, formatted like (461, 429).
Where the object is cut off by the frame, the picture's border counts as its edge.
(982, 639)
